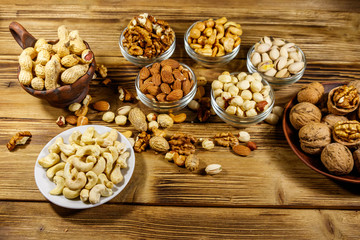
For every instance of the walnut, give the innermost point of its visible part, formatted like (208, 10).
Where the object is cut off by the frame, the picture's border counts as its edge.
(356, 84)
(347, 133)
(314, 137)
(102, 70)
(332, 119)
(183, 143)
(142, 141)
(19, 138)
(303, 113)
(225, 139)
(343, 100)
(311, 93)
(337, 158)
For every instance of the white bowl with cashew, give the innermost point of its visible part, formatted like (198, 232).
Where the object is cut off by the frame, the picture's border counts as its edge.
(48, 180)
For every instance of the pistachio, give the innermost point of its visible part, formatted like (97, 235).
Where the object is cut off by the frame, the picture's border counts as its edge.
(264, 66)
(255, 58)
(274, 54)
(283, 73)
(289, 62)
(278, 42)
(296, 56)
(280, 63)
(266, 40)
(213, 169)
(271, 72)
(265, 57)
(263, 47)
(284, 52)
(296, 67)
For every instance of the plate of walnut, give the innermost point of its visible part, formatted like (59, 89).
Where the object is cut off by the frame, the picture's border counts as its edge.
(321, 124)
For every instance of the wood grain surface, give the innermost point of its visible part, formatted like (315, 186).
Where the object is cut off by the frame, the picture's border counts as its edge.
(270, 194)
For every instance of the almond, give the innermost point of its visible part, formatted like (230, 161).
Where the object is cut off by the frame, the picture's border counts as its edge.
(151, 97)
(175, 95)
(170, 62)
(101, 106)
(186, 87)
(144, 86)
(251, 145)
(144, 73)
(166, 74)
(176, 85)
(165, 88)
(155, 68)
(153, 90)
(161, 97)
(71, 119)
(156, 79)
(178, 75)
(260, 106)
(241, 150)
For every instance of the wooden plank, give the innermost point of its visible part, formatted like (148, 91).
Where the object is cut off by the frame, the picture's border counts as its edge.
(46, 221)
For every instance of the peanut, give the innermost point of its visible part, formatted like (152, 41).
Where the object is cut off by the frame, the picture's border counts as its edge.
(25, 62)
(37, 83)
(70, 60)
(72, 74)
(77, 45)
(52, 72)
(25, 77)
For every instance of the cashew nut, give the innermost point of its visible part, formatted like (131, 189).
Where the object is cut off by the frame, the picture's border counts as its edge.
(68, 170)
(54, 148)
(110, 139)
(104, 180)
(70, 194)
(99, 166)
(84, 195)
(80, 165)
(114, 152)
(109, 162)
(50, 173)
(67, 149)
(92, 179)
(222, 20)
(60, 173)
(116, 175)
(76, 182)
(50, 160)
(63, 157)
(93, 150)
(122, 159)
(75, 138)
(60, 184)
(97, 191)
(121, 147)
(221, 31)
(87, 136)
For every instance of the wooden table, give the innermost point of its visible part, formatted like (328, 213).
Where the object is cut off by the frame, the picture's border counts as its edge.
(269, 194)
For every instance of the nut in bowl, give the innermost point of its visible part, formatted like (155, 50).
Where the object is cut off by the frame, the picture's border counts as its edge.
(242, 99)
(147, 40)
(279, 62)
(166, 85)
(57, 71)
(213, 42)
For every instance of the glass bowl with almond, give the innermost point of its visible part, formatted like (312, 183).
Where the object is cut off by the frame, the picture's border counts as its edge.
(242, 99)
(146, 40)
(166, 85)
(277, 60)
(213, 42)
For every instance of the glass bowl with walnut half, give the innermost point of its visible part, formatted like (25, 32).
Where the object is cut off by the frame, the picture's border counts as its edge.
(242, 99)
(166, 86)
(146, 40)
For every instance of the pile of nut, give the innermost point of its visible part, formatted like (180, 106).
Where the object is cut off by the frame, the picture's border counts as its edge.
(165, 81)
(89, 165)
(215, 38)
(47, 66)
(243, 95)
(147, 36)
(329, 126)
(275, 57)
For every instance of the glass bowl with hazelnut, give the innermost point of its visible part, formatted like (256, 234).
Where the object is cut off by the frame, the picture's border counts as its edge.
(147, 40)
(166, 86)
(278, 61)
(242, 99)
(213, 42)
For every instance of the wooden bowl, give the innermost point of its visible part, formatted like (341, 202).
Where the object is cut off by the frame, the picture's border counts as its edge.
(61, 96)
(312, 161)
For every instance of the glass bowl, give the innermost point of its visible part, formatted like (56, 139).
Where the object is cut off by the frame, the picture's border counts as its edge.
(239, 122)
(167, 106)
(205, 60)
(141, 61)
(274, 80)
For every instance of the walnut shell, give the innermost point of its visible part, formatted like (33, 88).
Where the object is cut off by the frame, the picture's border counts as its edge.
(314, 137)
(337, 158)
(356, 84)
(304, 113)
(332, 119)
(333, 108)
(311, 93)
(356, 156)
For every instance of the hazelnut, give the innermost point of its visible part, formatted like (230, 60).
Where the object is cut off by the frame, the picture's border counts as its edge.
(108, 117)
(337, 158)
(314, 137)
(61, 121)
(303, 113)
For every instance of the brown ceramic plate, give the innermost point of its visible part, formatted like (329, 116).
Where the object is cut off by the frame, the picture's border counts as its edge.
(312, 161)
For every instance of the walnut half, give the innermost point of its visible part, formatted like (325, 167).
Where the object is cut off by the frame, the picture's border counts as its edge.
(19, 138)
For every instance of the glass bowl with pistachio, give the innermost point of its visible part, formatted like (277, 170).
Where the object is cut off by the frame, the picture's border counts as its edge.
(278, 61)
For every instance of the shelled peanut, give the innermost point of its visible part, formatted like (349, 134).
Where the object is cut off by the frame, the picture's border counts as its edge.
(215, 38)
(165, 81)
(48, 66)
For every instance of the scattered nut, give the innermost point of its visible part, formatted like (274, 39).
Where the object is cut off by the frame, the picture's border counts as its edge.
(170, 156)
(159, 144)
(192, 162)
(207, 144)
(151, 117)
(124, 110)
(102, 70)
(251, 145)
(241, 150)
(125, 95)
(61, 122)
(244, 136)
(178, 118)
(71, 119)
(101, 106)
(19, 138)
(179, 160)
(337, 158)
(153, 125)
(108, 117)
(74, 107)
(138, 119)
(142, 141)
(120, 120)
(82, 120)
(225, 139)
(127, 134)
(165, 120)
(213, 169)
(194, 105)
